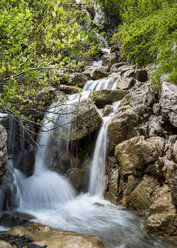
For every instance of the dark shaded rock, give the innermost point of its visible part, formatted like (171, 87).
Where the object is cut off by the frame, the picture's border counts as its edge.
(77, 177)
(15, 219)
(19, 241)
(3, 152)
(141, 75)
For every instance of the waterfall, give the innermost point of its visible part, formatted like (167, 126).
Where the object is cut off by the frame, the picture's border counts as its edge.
(50, 187)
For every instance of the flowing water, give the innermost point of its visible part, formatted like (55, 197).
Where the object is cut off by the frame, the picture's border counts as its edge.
(50, 198)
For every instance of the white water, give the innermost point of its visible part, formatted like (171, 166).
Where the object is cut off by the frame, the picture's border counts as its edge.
(50, 198)
(97, 167)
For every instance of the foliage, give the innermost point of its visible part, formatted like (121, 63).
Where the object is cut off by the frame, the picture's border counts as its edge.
(140, 40)
(167, 61)
(37, 39)
(148, 34)
(112, 6)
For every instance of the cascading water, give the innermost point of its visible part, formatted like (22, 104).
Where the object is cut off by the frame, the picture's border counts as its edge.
(50, 198)
(97, 167)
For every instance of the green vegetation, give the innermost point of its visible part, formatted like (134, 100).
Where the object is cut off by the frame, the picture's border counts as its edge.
(147, 33)
(38, 38)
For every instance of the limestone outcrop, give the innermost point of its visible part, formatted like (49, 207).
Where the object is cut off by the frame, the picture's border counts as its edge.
(142, 162)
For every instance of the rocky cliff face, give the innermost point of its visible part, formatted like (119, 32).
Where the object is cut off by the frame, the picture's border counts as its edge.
(141, 168)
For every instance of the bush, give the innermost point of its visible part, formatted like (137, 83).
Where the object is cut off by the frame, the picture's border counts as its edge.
(167, 61)
(37, 38)
(141, 39)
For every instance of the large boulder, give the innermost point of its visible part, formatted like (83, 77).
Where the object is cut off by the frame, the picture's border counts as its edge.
(78, 79)
(163, 218)
(3, 152)
(104, 97)
(86, 120)
(43, 235)
(133, 111)
(168, 103)
(134, 154)
(99, 72)
(125, 83)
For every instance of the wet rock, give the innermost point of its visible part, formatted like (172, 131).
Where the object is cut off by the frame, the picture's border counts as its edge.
(109, 60)
(3, 153)
(125, 84)
(61, 161)
(99, 72)
(112, 190)
(104, 97)
(77, 177)
(168, 103)
(107, 110)
(78, 79)
(45, 236)
(85, 121)
(16, 241)
(15, 219)
(134, 154)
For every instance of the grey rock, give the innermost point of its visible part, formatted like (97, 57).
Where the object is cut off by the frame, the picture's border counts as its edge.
(168, 103)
